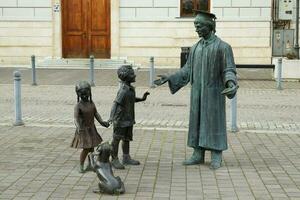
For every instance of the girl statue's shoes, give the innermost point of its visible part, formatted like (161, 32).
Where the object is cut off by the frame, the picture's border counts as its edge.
(81, 169)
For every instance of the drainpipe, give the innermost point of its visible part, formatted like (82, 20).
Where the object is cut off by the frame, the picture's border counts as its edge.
(297, 29)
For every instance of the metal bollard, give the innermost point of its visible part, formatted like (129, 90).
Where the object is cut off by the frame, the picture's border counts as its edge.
(233, 102)
(18, 111)
(92, 62)
(33, 70)
(279, 74)
(151, 73)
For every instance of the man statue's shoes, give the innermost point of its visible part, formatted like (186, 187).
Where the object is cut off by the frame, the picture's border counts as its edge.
(196, 158)
(215, 165)
(193, 161)
(216, 160)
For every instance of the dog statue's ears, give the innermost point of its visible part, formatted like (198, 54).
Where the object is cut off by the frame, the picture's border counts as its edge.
(102, 145)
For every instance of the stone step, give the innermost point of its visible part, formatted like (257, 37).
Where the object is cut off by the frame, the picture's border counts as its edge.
(82, 63)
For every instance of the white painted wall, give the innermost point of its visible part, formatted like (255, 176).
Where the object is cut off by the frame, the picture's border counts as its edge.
(25, 10)
(154, 28)
(146, 28)
(140, 40)
(242, 9)
(148, 9)
(169, 9)
(25, 29)
(19, 40)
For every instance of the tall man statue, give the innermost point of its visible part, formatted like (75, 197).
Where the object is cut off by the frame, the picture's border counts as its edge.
(211, 71)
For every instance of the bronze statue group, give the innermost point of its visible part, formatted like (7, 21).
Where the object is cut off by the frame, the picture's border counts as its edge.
(211, 71)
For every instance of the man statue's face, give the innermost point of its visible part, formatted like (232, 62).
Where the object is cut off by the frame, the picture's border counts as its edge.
(202, 28)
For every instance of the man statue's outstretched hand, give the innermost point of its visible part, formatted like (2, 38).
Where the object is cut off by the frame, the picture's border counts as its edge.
(162, 80)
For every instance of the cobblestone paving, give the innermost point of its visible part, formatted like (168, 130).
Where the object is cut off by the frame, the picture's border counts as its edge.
(37, 163)
(262, 161)
(258, 109)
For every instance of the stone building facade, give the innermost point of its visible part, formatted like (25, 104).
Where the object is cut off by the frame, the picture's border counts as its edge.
(138, 29)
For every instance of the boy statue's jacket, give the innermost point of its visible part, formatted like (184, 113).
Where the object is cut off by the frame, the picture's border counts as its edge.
(122, 112)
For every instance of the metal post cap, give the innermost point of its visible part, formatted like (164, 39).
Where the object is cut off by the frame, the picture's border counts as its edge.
(17, 74)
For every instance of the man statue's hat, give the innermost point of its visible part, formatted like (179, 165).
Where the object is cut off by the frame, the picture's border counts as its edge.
(207, 15)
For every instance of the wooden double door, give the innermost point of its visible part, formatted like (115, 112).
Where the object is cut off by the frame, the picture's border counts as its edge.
(86, 28)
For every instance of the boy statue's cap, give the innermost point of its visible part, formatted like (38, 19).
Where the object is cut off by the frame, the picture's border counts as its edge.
(206, 15)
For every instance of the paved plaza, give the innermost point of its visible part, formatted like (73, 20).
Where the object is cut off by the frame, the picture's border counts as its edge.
(36, 162)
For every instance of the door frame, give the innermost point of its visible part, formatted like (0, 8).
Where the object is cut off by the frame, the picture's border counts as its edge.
(57, 47)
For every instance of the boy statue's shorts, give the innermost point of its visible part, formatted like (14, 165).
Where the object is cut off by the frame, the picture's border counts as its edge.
(123, 133)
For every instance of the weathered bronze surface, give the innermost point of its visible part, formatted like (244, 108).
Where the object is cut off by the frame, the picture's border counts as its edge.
(108, 183)
(211, 71)
(123, 117)
(86, 136)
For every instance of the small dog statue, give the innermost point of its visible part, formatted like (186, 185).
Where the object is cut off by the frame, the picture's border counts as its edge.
(102, 167)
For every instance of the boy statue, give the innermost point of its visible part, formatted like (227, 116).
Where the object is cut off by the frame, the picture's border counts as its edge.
(122, 116)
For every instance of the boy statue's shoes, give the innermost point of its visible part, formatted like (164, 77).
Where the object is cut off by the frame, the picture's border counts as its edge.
(127, 160)
(116, 164)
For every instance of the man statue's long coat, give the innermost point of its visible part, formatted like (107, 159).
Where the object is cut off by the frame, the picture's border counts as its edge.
(209, 66)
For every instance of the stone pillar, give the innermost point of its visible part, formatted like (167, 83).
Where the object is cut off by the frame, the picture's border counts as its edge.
(57, 31)
(115, 28)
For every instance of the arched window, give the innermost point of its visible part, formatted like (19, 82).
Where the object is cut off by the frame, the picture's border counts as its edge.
(187, 7)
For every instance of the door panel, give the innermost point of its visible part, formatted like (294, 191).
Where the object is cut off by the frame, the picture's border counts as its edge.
(99, 46)
(99, 28)
(75, 18)
(98, 19)
(74, 28)
(86, 28)
(75, 45)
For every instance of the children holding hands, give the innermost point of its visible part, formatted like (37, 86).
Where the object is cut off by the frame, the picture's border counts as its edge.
(122, 117)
